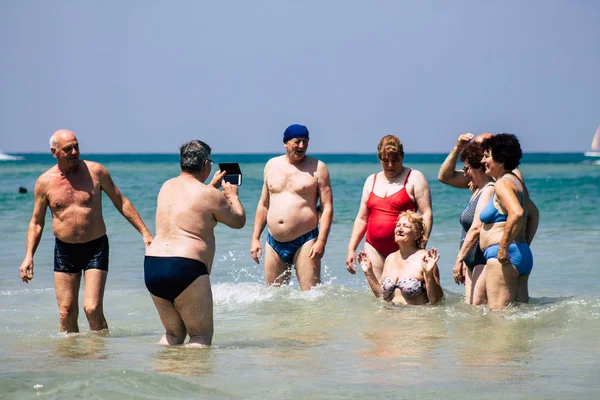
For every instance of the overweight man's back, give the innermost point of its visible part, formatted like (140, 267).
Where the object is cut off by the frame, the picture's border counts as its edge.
(178, 263)
(185, 220)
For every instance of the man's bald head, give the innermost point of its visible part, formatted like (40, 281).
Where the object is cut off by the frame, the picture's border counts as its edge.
(482, 137)
(61, 136)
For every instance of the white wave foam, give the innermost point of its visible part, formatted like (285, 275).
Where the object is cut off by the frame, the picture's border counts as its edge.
(21, 291)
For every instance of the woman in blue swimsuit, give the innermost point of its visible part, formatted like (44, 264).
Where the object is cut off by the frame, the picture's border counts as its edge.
(510, 220)
(470, 261)
(410, 275)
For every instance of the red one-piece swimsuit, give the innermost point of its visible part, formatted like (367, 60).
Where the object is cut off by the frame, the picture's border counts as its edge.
(383, 214)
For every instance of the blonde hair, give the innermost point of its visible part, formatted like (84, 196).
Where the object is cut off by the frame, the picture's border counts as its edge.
(419, 224)
(390, 145)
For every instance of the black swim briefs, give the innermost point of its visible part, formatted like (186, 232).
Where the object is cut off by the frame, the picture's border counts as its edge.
(168, 277)
(76, 257)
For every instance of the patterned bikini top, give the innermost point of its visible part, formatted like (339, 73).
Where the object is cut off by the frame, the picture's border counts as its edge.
(410, 287)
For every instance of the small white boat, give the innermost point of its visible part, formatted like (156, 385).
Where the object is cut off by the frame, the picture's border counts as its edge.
(595, 145)
(8, 157)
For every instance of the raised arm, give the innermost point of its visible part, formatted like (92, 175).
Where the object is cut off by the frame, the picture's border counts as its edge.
(422, 196)
(260, 221)
(448, 173)
(374, 284)
(122, 203)
(326, 199)
(359, 228)
(229, 210)
(36, 227)
(431, 273)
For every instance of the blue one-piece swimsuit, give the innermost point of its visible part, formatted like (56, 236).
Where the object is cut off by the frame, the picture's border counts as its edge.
(519, 253)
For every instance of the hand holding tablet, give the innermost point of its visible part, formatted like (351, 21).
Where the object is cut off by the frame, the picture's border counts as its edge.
(233, 174)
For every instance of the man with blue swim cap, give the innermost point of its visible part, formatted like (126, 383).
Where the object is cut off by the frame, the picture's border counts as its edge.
(295, 131)
(297, 232)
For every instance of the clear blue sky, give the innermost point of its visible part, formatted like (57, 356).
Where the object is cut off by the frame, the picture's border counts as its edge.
(145, 76)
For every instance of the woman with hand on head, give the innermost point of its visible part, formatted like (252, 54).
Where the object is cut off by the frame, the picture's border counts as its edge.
(510, 221)
(470, 261)
(410, 275)
(385, 195)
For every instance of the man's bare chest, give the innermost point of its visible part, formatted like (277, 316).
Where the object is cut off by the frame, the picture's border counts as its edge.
(64, 193)
(296, 183)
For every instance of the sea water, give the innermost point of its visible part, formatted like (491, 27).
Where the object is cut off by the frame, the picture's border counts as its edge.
(336, 341)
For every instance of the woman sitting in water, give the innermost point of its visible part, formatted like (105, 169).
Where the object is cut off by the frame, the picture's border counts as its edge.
(510, 221)
(410, 275)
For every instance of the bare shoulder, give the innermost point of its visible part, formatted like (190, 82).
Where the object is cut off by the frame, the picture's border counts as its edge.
(422, 252)
(44, 181)
(274, 162)
(417, 181)
(321, 165)
(322, 169)
(168, 184)
(485, 194)
(47, 176)
(96, 168)
(416, 175)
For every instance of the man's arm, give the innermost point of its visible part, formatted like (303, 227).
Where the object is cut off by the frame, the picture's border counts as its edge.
(448, 173)
(36, 227)
(326, 198)
(122, 204)
(423, 199)
(229, 208)
(260, 221)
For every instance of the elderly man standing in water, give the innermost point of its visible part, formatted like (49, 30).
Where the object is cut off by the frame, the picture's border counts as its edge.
(293, 185)
(73, 191)
(179, 260)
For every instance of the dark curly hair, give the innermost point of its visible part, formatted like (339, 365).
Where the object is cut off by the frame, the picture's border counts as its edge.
(472, 154)
(505, 149)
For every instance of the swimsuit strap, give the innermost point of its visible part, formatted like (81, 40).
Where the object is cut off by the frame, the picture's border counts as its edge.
(481, 191)
(374, 179)
(407, 175)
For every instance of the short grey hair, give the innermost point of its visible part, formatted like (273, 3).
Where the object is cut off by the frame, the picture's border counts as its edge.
(53, 142)
(193, 155)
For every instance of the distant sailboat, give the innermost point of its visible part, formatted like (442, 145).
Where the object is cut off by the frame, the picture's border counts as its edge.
(7, 157)
(595, 145)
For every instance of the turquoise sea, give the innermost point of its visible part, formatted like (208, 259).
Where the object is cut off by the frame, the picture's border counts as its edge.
(334, 342)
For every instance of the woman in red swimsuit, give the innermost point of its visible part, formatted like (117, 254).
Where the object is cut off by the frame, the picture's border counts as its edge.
(385, 195)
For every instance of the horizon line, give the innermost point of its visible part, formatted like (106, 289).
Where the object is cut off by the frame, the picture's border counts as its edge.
(258, 153)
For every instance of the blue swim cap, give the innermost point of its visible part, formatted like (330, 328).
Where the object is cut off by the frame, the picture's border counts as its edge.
(295, 131)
